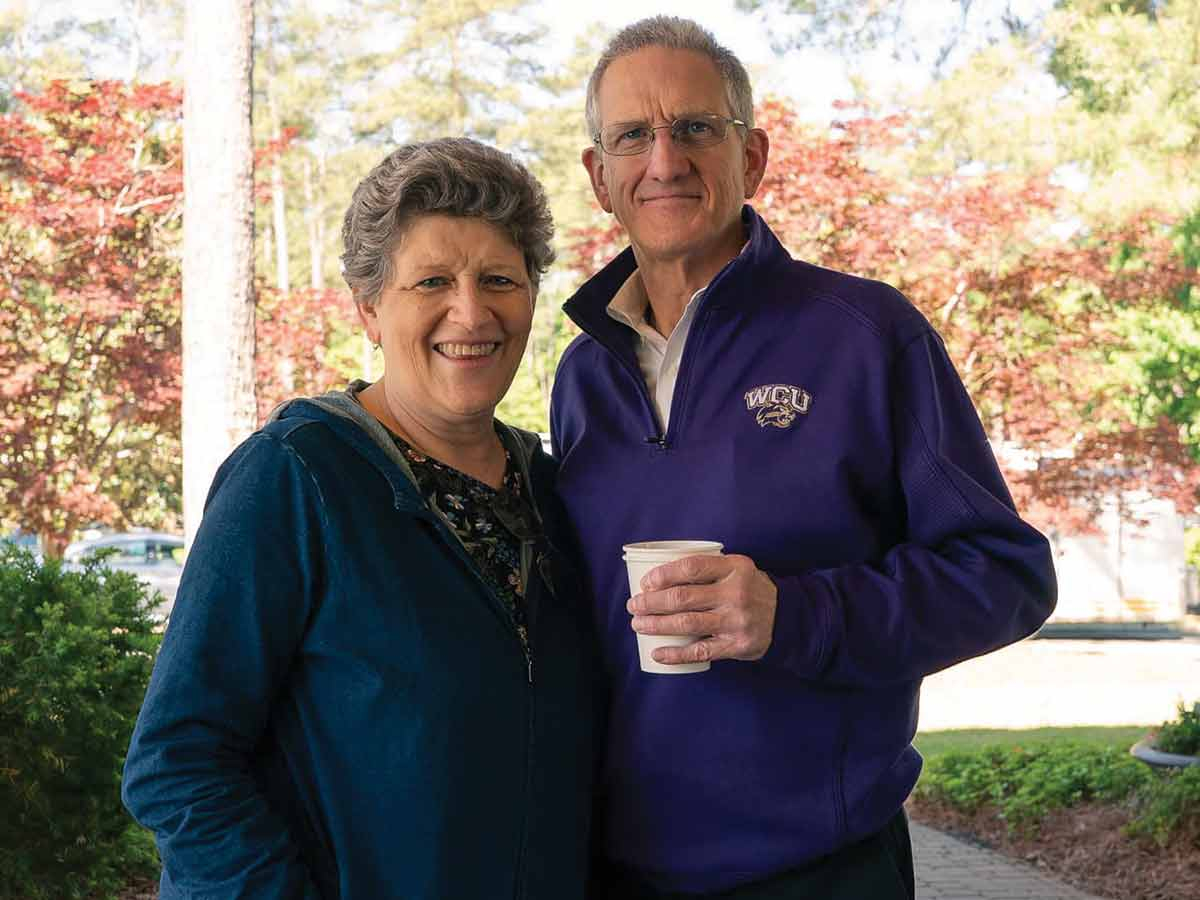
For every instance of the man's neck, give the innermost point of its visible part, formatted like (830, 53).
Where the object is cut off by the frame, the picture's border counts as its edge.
(671, 283)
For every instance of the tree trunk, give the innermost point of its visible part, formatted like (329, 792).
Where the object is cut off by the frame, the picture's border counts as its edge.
(135, 42)
(268, 244)
(283, 279)
(218, 243)
(316, 230)
(319, 261)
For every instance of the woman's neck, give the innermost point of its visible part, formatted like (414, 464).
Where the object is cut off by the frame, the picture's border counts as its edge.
(474, 448)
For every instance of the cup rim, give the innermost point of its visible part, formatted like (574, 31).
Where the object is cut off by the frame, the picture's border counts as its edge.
(646, 549)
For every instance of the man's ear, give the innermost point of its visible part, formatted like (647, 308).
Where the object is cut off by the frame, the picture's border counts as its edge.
(758, 147)
(369, 319)
(593, 161)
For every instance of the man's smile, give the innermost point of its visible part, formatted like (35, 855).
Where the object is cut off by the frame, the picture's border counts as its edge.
(667, 198)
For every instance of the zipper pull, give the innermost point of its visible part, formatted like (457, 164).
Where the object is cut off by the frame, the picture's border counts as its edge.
(529, 667)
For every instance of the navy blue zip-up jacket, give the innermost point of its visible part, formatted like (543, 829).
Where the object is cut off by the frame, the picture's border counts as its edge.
(342, 708)
(818, 427)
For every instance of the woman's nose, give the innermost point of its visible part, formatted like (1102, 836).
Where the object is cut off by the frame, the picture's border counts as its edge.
(469, 306)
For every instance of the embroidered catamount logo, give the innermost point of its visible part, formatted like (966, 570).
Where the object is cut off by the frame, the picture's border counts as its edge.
(777, 404)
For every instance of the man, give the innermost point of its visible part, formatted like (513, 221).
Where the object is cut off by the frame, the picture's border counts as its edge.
(812, 422)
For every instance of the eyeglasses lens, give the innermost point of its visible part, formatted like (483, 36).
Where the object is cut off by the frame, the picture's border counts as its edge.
(631, 138)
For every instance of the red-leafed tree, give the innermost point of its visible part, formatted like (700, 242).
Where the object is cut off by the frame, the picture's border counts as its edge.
(1028, 313)
(294, 333)
(90, 188)
(90, 205)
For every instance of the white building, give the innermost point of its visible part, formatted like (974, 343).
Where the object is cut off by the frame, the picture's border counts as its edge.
(1130, 572)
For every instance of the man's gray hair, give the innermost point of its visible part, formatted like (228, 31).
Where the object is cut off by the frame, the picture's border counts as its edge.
(674, 34)
(447, 176)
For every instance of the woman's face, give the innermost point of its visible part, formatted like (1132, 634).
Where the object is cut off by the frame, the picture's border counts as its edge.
(453, 323)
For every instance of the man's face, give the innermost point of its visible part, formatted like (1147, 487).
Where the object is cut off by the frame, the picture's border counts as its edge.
(675, 204)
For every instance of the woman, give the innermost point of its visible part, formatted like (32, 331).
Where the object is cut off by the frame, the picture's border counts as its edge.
(376, 682)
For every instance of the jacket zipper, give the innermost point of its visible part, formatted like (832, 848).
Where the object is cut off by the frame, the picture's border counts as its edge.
(519, 881)
(660, 437)
(683, 375)
(448, 535)
(657, 436)
(526, 555)
(526, 567)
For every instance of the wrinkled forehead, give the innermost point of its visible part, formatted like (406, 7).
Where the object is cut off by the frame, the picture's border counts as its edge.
(657, 84)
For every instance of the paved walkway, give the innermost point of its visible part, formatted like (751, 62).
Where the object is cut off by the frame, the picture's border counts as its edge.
(948, 869)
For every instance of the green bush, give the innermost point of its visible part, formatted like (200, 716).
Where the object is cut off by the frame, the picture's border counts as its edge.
(1171, 806)
(1182, 734)
(76, 650)
(1026, 783)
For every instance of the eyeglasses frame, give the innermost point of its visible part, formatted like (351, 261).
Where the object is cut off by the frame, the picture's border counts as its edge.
(728, 120)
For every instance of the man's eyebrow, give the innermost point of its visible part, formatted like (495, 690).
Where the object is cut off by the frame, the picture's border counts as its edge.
(689, 114)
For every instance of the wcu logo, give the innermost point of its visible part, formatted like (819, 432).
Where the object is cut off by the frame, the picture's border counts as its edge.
(777, 404)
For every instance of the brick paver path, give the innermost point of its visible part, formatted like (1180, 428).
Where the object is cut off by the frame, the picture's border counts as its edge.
(948, 869)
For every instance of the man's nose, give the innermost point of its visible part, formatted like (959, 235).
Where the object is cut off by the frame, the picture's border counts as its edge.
(667, 160)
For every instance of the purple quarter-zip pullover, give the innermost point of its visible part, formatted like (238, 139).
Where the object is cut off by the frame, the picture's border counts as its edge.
(818, 427)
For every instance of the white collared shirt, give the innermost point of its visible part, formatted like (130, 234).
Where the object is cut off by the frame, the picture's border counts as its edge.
(658, 357)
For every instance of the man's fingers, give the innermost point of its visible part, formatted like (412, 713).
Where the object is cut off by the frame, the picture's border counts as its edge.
(689, 570)
(701, 651)
(680, 598)
(698, 623)
(725, 600)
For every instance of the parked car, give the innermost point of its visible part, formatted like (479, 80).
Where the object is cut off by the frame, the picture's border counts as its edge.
(156, 558)
(24, 539)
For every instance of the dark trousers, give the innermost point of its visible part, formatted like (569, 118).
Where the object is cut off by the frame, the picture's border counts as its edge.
(877, 868)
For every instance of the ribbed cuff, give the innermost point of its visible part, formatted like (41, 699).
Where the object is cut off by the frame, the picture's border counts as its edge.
(801, 637)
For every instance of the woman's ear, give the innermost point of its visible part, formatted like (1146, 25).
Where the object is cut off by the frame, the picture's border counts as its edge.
(369, 319)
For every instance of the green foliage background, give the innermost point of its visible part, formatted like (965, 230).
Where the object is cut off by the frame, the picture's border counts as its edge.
(76, 650)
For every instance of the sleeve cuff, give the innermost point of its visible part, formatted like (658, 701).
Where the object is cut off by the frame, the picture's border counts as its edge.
(801, 638)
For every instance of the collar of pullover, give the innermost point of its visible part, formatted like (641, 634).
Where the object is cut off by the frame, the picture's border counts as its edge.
(588, 307)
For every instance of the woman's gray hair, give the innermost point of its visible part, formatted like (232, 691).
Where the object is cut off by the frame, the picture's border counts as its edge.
(674, 34)
(447, 176)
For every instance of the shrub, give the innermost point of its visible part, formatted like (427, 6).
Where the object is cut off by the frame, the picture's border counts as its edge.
(1025, 783)
(1182, 734)
(1171, 806)
(76, 650)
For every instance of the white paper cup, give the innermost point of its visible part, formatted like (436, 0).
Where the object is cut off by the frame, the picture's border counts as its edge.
(640, 558)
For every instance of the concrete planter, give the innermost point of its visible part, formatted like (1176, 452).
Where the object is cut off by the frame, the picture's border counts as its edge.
(1146, 753)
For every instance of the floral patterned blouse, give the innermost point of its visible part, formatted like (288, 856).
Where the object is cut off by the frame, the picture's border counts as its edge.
(470, 507)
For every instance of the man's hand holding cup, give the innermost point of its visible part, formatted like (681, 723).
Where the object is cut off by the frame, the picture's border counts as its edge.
(715, 607)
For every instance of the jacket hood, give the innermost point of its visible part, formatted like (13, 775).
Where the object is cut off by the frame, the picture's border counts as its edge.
(341, 412)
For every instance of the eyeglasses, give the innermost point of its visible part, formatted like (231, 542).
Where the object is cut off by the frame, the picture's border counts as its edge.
(691, 133)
